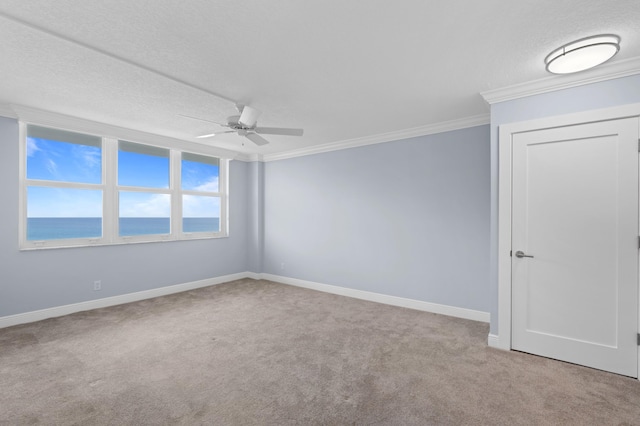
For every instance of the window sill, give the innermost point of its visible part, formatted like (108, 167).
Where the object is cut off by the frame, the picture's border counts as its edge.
(49, 245)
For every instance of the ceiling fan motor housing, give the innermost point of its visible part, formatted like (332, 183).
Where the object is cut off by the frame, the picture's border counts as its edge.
(249, 117)
(234, 123)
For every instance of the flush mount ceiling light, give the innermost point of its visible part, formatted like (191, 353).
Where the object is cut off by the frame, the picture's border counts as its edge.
(582, 54)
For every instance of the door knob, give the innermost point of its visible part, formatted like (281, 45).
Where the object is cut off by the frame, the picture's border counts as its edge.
(520, 254)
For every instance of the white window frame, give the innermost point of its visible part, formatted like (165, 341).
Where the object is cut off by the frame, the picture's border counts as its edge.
(222, 193)
(110, 195)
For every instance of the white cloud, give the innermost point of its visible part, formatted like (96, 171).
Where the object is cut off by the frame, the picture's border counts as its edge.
(89, 156)
(63, 202)
(32, 147)
(51, 166)
(210, 186)
(144, 205)
(198, 206)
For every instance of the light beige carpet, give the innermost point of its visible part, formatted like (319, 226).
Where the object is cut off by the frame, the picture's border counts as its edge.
(259, 353)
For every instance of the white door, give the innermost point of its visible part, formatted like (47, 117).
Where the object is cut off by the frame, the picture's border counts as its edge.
(575, 211)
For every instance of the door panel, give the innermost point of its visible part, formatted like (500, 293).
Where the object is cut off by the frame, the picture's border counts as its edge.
(575, 209)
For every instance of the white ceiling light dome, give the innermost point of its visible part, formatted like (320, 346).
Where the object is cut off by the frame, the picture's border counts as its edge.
(582, 54)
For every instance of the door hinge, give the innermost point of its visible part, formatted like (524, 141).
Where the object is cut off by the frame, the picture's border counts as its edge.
(638, 339)
(511, 251)
(638, 145)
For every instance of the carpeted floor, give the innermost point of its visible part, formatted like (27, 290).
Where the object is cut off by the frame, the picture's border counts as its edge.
(259, 353)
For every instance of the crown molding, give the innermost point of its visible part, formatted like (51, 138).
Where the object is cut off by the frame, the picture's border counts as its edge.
(48, 118)
(445, 126)
(7, 111)
(248, 158)
(604, 72)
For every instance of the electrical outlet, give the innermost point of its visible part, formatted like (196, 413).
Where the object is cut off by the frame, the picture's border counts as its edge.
(97, 285)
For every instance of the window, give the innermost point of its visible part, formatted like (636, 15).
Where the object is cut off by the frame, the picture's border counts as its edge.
(64, 191)
(144, 196)
(200, 180)
(79, 189)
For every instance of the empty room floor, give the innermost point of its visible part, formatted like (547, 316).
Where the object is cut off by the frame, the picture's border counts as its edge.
(260, 353)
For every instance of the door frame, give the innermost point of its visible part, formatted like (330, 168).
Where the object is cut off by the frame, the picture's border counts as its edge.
(505, 142)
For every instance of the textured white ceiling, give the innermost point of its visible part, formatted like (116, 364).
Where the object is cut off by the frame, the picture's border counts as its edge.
(339, 69)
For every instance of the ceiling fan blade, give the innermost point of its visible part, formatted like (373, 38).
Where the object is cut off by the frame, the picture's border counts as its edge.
(257, 139)
(202, 119)
(249, 116)
(210, 135)
(279, 131)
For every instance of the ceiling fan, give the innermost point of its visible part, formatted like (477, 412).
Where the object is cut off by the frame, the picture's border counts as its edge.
(245, 125)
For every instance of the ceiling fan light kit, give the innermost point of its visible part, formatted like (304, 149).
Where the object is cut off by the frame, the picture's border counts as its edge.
(583, 54)
(245, 125)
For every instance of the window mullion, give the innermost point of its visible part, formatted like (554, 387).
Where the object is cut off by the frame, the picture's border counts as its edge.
(110, 177)
(224, 189)
(62, 184)
(203, 193)
(176, 193)
(143, 189)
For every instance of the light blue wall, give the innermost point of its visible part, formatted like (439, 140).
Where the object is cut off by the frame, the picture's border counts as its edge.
(408, 218)
(604, 94)
(255, 216)
(415, 218)
(33, 280)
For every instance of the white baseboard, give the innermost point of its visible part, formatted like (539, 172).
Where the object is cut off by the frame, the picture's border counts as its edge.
(493, 341)
(59, 311)
(253, 275)
(382, 298)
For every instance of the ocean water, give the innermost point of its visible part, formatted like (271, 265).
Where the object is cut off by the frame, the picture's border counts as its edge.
(56, 228)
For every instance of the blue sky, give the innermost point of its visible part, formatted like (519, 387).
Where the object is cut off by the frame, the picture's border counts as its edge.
(69, 162)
